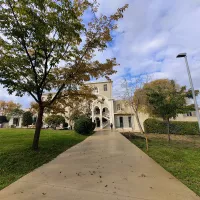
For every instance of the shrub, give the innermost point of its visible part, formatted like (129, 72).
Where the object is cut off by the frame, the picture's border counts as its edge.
(84, 125)
(176, 127)
(55, 120)
(27, 118)
(3, 119)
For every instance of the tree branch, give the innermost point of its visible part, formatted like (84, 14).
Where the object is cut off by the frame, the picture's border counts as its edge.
(23, 43)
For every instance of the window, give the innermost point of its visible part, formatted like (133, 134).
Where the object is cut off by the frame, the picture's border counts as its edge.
(105, 88)
(129, 122)
(16, 121)
(96, 91)
(118, 107)
(189, 114)
(121, 122)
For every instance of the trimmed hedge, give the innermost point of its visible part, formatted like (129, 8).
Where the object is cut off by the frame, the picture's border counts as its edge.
(176, 127)
(84, 125)
(3, 119)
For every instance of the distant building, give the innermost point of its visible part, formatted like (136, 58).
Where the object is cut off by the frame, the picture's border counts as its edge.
(106, 110)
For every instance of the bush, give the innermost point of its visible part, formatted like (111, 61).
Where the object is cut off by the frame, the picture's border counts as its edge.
(3, 119)
(27, 118)
(176, 127)
(55, 120)
(84, 125)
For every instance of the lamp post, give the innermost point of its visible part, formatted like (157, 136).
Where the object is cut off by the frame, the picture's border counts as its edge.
(184, 55)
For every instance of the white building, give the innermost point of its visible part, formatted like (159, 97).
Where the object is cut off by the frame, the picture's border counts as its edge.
(105, 110)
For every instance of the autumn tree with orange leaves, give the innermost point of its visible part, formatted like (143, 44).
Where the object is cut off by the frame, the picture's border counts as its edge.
(38, 35)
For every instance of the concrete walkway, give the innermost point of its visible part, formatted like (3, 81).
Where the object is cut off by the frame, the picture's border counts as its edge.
(106, 166)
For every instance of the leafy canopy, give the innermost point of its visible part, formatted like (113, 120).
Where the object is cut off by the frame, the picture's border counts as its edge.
(165, 99)
(55, 120)
(47, 45)
(6, 107)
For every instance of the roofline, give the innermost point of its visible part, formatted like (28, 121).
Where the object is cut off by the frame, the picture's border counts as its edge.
(99, 82)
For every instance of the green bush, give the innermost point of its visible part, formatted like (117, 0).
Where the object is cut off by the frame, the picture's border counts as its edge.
(3, 119)
(55, 120)
(176, 127)
(84, 125)
(27, 118)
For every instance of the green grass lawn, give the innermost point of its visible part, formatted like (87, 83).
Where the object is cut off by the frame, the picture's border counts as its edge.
(182, 159)
(17, 158)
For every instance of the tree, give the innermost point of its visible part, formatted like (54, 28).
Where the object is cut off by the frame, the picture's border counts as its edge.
(165, 99)
(27, 118)
(7, 107)
(134, 97)
(38, 36)
(16, 112)
(55, 120)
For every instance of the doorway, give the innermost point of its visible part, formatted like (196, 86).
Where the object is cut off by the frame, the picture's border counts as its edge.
(98, 123)
(121, 122)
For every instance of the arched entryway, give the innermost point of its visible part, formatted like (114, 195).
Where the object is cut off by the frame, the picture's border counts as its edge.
(96, 110)
(105, 111)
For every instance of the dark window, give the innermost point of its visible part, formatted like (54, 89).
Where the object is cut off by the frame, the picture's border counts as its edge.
(105, 87)
(121, 122)
(189, 114)
(96, 91)
(16, 121)
(129, 122)
(118, 107)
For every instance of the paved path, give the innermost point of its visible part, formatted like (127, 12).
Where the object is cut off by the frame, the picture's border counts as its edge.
(106, 166)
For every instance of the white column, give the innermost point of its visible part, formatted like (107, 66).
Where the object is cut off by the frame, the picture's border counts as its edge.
(101, 121)
(112, 118)
(92, 113)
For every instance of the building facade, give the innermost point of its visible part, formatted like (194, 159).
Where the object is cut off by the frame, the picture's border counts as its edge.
(105, 110)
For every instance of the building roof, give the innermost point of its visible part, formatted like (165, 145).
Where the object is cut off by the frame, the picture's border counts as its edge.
(99, 82)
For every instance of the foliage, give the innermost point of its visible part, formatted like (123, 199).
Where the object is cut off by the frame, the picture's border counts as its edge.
(27, 118)
(180, 158)
(165, 99)
(175, 127)
(7, 107)
(16, 112)
(78, 103)
(16, 157)
(189, 93)
(55, 120)
(38, 35)
(3, 119)
(84, 125)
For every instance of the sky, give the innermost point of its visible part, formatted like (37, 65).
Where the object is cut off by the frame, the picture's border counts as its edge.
(147, 41)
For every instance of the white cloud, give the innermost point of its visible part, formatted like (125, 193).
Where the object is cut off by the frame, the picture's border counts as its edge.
(24, 101)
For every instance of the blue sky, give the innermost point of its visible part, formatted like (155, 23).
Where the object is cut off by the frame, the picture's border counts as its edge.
(149, 37)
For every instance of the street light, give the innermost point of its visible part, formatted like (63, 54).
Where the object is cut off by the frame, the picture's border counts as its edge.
(184, 55)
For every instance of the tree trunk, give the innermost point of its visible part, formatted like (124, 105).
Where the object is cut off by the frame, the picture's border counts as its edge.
(142, 131)
(139, 124)
(35, 144)
(168, 131)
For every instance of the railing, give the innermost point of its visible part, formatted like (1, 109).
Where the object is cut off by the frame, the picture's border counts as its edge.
(107, 115)
(105, 124)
